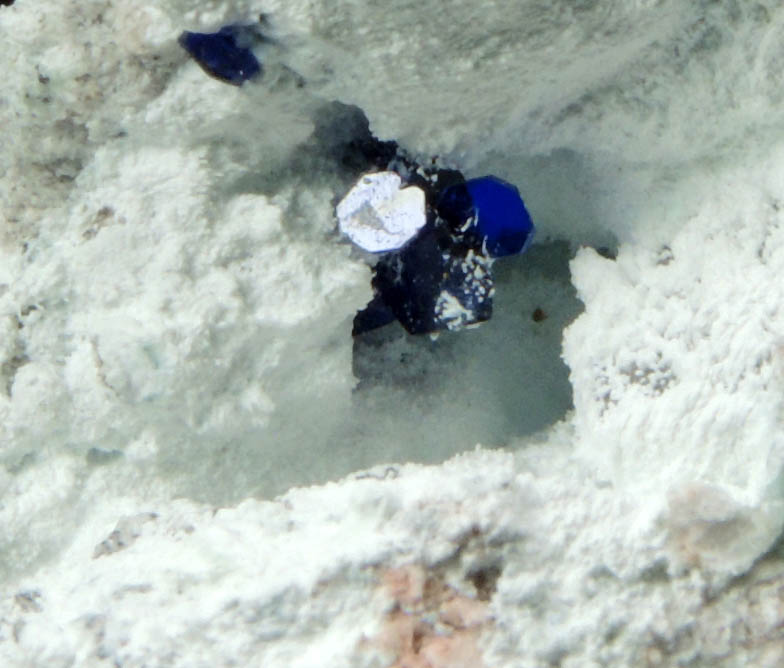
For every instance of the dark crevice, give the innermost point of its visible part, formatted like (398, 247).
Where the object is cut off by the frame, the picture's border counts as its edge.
(430, 399)
(484, 580)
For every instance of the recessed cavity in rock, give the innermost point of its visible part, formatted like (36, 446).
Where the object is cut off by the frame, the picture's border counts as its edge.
(417, 399)
(424, 400)
(421, 399)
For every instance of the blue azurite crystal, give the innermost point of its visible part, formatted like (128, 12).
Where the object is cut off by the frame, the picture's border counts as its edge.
(491, 211)
(226, 54)
(429, 285)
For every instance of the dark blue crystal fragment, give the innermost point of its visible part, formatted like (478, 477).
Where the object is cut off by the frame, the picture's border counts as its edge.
(488, 211)
(431, 285)
(226, 54)
(376, 314)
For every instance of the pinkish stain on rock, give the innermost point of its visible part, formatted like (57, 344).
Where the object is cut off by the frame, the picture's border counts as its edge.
(429, 623)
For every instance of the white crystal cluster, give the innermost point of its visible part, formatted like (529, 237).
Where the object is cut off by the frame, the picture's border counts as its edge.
(378, 215)
(175, 349)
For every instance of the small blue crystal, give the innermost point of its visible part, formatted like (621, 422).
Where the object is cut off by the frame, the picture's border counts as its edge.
(226, 54)
(500, 219)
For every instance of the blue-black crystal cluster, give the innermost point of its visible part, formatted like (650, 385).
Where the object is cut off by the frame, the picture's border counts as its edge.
(442, 279)
(227, 54)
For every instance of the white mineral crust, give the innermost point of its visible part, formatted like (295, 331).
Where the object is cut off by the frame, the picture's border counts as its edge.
(378, 215)
(191, 473)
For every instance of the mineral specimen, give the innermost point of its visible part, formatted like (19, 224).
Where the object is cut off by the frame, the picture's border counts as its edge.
(437, 235)
(227, 54)
(492, 212)
(433, 284)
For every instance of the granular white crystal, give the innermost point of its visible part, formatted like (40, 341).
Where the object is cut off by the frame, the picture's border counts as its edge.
(378, 215)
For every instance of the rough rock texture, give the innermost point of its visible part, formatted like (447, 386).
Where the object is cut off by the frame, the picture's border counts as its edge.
(175, 310)
(489, 559)
(705, 358)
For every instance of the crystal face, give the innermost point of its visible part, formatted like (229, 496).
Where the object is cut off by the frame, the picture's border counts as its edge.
(433, 284)
(226, 54)
(378, 216)
(492, 211)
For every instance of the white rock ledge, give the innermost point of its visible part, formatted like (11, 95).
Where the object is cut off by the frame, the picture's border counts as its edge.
(489, 559)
